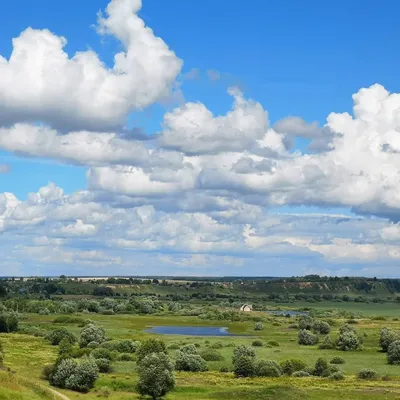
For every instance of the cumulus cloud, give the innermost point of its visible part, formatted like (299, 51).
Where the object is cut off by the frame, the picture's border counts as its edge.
(4, 168)
(41, 82)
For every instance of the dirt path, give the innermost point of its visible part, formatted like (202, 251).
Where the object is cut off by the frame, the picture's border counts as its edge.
(58, 395)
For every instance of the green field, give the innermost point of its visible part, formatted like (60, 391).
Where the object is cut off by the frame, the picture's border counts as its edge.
(25, 356)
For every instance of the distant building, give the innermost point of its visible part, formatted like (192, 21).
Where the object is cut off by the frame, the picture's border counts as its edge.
(246, 307)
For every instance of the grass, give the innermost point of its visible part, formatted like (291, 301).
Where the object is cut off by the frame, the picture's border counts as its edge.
(26, 355)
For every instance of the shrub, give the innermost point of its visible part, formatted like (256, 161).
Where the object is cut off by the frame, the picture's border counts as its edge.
(216, 345)
(156, 376)
(348, 341)
(387, 337)
(32, 330)
(56, 336)
(267, 368)
(326, 344)
(124, 357)
(190, 362)
(321, 368)
(321, 327)
(84, 377)
(150, 346)
(305, 322)
(393, 353)
(367, 373)
(257, 343)
(92, 333)
(8, 321)
(224, 369)
(211, 355)
(65, 348)
(188, 349)
(301, 374)
(103, 364)
(93, 345)
(273, 343)
(47, 371)
(122, 346)
(337, 360)
(258, 326)
(62, 371)
(307, 338)
(242, 351)
(292, 365)
(244, 366)
(104, 392)
(102, 353)
(336, 376)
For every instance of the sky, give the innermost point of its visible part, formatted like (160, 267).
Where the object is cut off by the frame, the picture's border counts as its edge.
(199, 138)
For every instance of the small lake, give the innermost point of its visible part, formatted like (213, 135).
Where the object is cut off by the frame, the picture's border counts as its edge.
(191, 330)
(292, 313)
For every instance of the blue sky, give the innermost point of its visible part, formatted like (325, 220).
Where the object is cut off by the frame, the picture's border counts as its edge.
(302, 60)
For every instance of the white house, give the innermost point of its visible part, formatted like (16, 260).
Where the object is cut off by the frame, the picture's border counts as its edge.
(246, 307)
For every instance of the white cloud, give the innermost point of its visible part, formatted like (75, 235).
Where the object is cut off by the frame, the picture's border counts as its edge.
(41, 82)
(4, 169)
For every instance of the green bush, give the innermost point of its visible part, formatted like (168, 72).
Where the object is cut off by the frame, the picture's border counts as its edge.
(305, 322)
(8, 321)
(243, 351)
(337, 360)
(121, 346)
(273, 343)
(307, 338)
(321, 368)
(103, 364)
(189, 349)
(290, 366)
(244, 366)
(190, 362)
(388, 336)
(348, 341)
(267, 368)
(258, 326)
(156, 376)
(92, 333)
(62, 372)
(84, 377)
(336, 376)
(102, 353)
(56, 336)
(224, 369)
(124, 357)
(211, 355)
(65, 347)
(216, 345)
(367, 373)
(150, 346)
(47, 371)
(326, 344)
(321, 327)
(301, 374)
(393, 353)
(257, 343)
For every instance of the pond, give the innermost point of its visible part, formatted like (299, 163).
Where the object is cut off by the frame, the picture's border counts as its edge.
(191, 330)
(292, 313)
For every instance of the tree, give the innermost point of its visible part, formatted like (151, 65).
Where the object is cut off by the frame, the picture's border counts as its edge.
(8, 321)
(243, 351)
(150, 346)
(156, 376)
(244, 366)
(190, 362)
(92, 333)
(393, 354)
(55, 337)
(348, 341)
(306, 322)
(321, 327)
(321, 367)
(387, 337)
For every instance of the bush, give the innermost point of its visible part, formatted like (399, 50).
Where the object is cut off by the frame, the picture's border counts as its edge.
(216, 345)
(387, 337)
(104, 392)
(337, 360)
(84, 376)
(56, 336)
(348, 341)
(189, 349)
(102, 353)
(190, 362)
(301, 374)
(257, 343)
(8, 321)
(273, 343)
(92, 333)
(336, 376)
(32, 330)
(47, 371)
(124, 357)
(150, 346)
(321, 368)
(103, 364)
(224, 369)
(258, 326)
(211, 355)
(292, 365)
(242, 351)
(156, 376)
(65, 348)
(321, 327)
(306, 322)
(326, 344)
(244, 366)
(367, 373)
(121, 346)
(307, 338)
(393, 353)
(267, 368)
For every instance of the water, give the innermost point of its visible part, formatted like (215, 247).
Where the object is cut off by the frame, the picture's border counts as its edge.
(292, 313)
(190, 330)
